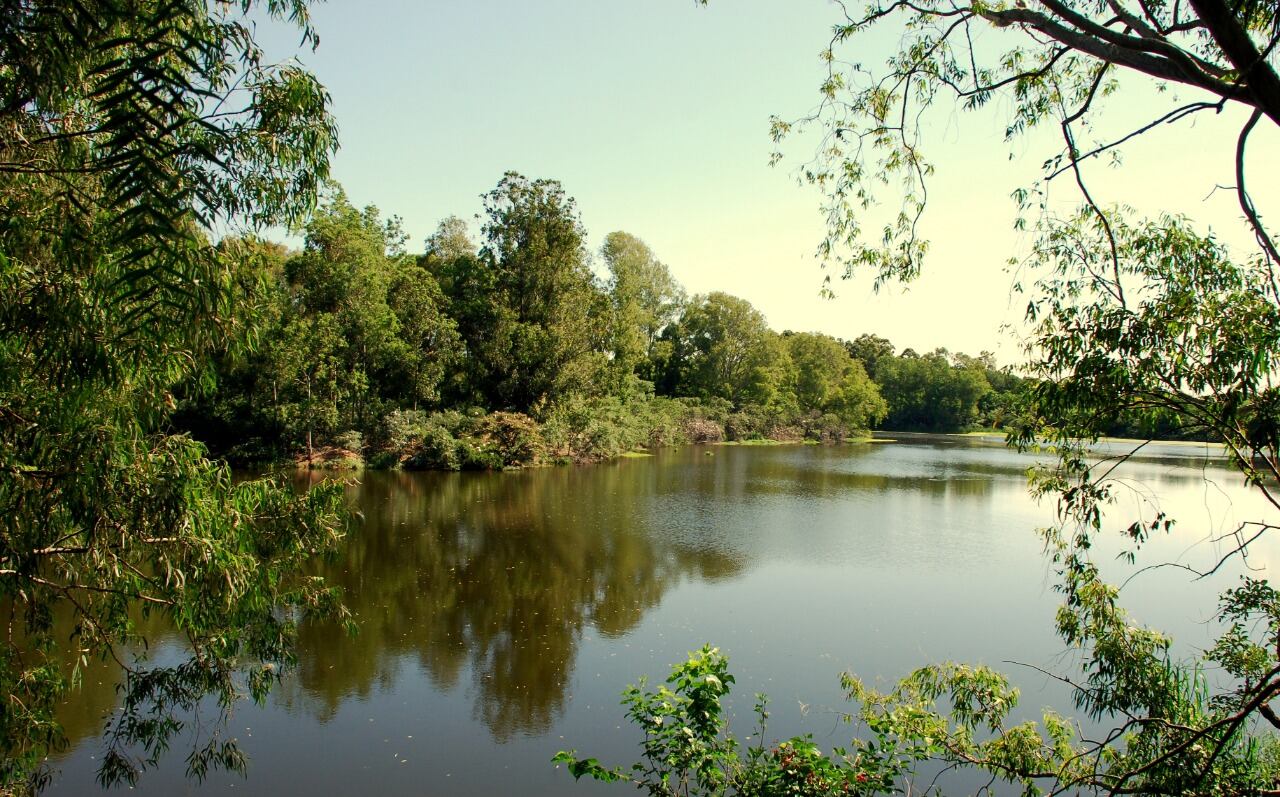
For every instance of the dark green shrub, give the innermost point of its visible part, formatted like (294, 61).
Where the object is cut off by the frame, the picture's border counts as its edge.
(472, 455)
(383, 460)
(748, 423)
(435, 450)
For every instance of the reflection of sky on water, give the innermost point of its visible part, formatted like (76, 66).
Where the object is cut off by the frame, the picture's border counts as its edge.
(501, 614)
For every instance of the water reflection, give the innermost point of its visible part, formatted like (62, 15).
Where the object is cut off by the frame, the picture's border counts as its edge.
(494, 576)
(487, 581)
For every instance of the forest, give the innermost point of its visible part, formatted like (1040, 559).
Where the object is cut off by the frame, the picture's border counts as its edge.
(532, 347)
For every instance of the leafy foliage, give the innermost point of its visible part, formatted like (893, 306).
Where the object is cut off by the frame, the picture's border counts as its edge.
(538, 339)
(689, 750)
(828, 380)
(930, 394)
(127, 129)
(723, 348)
(357, 336)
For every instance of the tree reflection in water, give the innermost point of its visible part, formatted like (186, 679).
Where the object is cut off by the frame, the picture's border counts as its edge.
(491, 577)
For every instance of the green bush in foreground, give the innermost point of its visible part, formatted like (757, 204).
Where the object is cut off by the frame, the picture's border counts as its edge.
(688, 749)
(950, 715)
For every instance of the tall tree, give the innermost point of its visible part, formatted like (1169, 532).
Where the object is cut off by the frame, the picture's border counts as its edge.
(450, 241)
(365, 327)
(930, 394)
(722, 347)
(645, 298)
(544, 312)
(828, 380)
(427, 346)
(869, 349)
(127, 128)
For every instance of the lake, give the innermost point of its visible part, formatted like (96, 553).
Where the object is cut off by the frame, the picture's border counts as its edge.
(501, 613)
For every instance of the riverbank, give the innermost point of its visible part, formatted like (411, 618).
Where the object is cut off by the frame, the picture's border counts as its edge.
(1103, 447)
(577, 433)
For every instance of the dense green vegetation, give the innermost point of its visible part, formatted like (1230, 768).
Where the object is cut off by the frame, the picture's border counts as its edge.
(126, 130)
(515, 351)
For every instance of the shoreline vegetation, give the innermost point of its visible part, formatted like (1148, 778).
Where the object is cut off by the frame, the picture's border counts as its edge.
(529, 348)
(510, 441)
(484, 453)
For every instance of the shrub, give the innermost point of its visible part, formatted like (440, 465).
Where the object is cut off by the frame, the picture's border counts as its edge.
(688, 749)
(351, 440)
(667, 422)
(513, 437)
(825, 428)
(436, 449)
(748, 423)
(702, 430)
(400, 428)
(473, 455)
(590, 430)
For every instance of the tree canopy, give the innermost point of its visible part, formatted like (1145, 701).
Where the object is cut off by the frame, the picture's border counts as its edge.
(539, 337)
(930, 394)
(645, 298)
(127, 132)
(1055, 64)
(513, 351)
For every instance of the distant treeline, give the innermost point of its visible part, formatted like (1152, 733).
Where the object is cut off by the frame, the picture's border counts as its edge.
(513, 351)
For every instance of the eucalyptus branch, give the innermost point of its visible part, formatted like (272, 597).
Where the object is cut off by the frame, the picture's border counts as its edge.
(67, 589)
(1118, 290)
(1121, 54)
(1246, 204)
(1173, 116)
(1134, 22)
(1260, 79)
(1193, 66)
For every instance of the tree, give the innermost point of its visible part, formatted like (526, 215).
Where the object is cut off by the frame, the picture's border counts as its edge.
(428, 345)
(722, 347)
(929, 394)
(828, 380)
(126, 131)
(1130, 316)
(238, 420)
(645, 298)
(533, 295)
(364, 323)
(311, 387)
(340, 329)
(869, 349)
(449, 242)
(1060, 64)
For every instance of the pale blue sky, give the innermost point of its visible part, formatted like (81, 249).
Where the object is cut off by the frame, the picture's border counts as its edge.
(654, 115)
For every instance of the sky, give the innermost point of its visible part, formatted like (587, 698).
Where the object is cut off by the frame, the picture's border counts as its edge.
(654, 115)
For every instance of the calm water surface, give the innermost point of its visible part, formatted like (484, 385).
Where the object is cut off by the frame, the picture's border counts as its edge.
(501, 614)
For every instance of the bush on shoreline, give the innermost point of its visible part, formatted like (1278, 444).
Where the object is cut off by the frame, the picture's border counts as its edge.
(577, 430)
